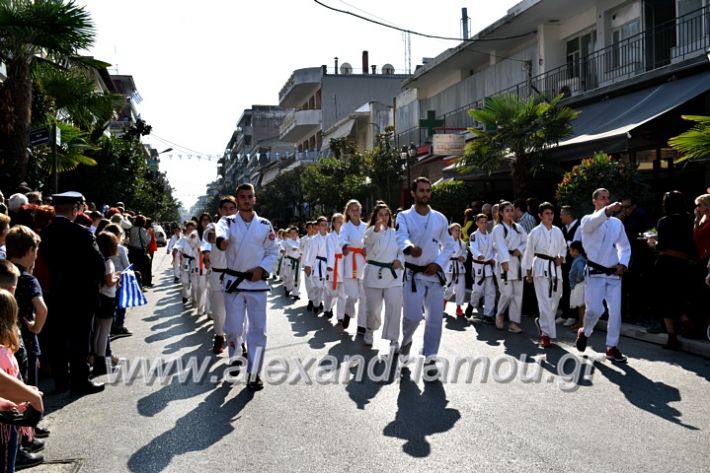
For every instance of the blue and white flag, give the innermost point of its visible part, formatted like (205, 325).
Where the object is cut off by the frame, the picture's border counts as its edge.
(130, 294)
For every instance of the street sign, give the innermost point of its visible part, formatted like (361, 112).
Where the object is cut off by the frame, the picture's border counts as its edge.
(448, 144)
(39, 136)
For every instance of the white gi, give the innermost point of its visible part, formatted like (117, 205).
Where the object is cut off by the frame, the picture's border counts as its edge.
(176, 257)
(188, 263)
(291, 266)
(606, 244)
(218, 264)
(429, 232)
(334, 292)
(304, 245)
(455, 271)
(510, 284)
(542, 247)
(251, 244)
(481, 244)
(317, 259)
(279, 260)
(198, 279)
(354, 265)
(383, 283)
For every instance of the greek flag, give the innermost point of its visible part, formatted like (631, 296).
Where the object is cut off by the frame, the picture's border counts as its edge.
(130, 294)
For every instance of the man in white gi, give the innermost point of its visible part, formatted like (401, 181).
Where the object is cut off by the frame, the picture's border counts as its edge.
(545, 250)
(423, 237)
(291, 264)
(218, 263)
(483, 266)
(315, 264)
(249, 241)
(608, 253)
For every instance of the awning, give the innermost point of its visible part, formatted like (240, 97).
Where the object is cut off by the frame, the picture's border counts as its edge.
(606, 124)
(341, 131)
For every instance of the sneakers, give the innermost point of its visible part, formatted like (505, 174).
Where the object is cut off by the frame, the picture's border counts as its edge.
(368, 338)
(218, 346)
(459, 311)
(613, 354)
(255, 384)
(569, 322)
(559, 320)
(581, 340)
(545, 341)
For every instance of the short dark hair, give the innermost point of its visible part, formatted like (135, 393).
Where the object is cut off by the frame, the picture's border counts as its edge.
(108, 244)
(227, 199)
(567, 209)
(673, 203)
(545, 206)
(520, 204)
(480, 216)
(9, 274)
(321, 219)
(416, 182)
(20, 239)
(577, 246)
(245, 187)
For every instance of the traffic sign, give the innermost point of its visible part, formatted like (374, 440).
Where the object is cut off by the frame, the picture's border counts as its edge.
(39, 136)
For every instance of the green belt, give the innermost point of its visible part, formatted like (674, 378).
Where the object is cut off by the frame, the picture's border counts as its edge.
(382, 265)
(295, 263)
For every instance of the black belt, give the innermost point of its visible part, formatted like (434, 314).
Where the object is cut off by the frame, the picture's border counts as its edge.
(219, 270)
(188, 257)
(483, 272)
(595, 268)
(382, 265)
(455, 272)
(321, 260)
(415, 268)
(550, 266)
(241, 276)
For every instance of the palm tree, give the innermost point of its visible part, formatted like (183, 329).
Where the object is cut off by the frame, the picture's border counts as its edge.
(694, 143)
(516, 131)
(33, 31)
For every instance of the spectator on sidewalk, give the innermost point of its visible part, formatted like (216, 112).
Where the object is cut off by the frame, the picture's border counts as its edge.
(4, 228)
(636, 221)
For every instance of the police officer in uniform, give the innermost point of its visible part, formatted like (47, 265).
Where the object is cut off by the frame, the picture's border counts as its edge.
(76, 268)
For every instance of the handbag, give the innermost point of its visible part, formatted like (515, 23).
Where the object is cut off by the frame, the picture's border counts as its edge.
(29, 418)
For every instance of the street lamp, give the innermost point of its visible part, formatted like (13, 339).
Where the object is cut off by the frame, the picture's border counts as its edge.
(166, 151)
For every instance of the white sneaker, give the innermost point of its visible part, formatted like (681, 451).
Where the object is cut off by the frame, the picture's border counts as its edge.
(368, 338)
(559, 320)
(569, 322)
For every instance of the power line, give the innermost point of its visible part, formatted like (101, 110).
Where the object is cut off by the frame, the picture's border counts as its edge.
(177, 145)
(425, 35)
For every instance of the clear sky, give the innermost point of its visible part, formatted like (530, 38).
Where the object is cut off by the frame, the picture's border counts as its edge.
(198, 65)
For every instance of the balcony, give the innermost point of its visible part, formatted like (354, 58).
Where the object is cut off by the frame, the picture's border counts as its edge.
(299, 125)
(673, 42)
(300, 86)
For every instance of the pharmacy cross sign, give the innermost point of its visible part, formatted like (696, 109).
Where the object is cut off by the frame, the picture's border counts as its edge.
(430, 122)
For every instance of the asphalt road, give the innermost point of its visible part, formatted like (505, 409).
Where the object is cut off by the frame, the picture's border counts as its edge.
(652, 414)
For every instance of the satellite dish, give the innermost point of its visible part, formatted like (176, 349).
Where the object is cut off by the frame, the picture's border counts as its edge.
(388, 69)
(346, 69)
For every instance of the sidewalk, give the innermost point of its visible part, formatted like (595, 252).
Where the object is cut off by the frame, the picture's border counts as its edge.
(697, 347)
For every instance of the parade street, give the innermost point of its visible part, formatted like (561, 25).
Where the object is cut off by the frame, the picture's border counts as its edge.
(651, 414)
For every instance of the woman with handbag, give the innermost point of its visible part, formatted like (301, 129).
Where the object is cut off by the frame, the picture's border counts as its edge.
(138, 242)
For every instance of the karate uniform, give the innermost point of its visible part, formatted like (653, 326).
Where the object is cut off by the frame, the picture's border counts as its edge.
(279, 260)
(305, 245)
(456, 274)
(198, 278)
(354, 264)
(176, 258)
(334, 297)
(510, 283)
(547, 277)
(481, 244)
(317, 259)
(251, 244)
(606, 244)
(218, 264)
(383, 284)
(429, 232)
(188, 262)
(291, 266)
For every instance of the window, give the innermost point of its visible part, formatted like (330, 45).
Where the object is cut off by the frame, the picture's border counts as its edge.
(577, 51)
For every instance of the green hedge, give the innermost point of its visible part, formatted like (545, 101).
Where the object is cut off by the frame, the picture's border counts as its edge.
(452, 198)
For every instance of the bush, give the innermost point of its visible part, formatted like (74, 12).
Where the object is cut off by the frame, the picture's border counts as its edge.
(451, 198)
(600, 170)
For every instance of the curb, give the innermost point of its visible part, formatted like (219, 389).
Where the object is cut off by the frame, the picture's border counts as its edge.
(696, 347)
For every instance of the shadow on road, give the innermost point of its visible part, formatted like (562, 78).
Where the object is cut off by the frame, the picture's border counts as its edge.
(420, 414)
(198, 430)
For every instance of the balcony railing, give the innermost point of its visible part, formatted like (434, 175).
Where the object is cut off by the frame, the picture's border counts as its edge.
(669, 43)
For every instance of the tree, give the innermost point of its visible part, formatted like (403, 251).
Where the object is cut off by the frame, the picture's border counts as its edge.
(452, 198)
(279, 199)
(33, 31)
(620, 178)
(694, 143)
(331, 182)
(384, 166)
(516, 131)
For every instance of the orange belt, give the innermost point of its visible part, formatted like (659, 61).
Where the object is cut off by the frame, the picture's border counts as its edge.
(356, 251)
(335, 271)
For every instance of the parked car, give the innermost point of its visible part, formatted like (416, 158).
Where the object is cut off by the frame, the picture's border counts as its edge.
(160, 236)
